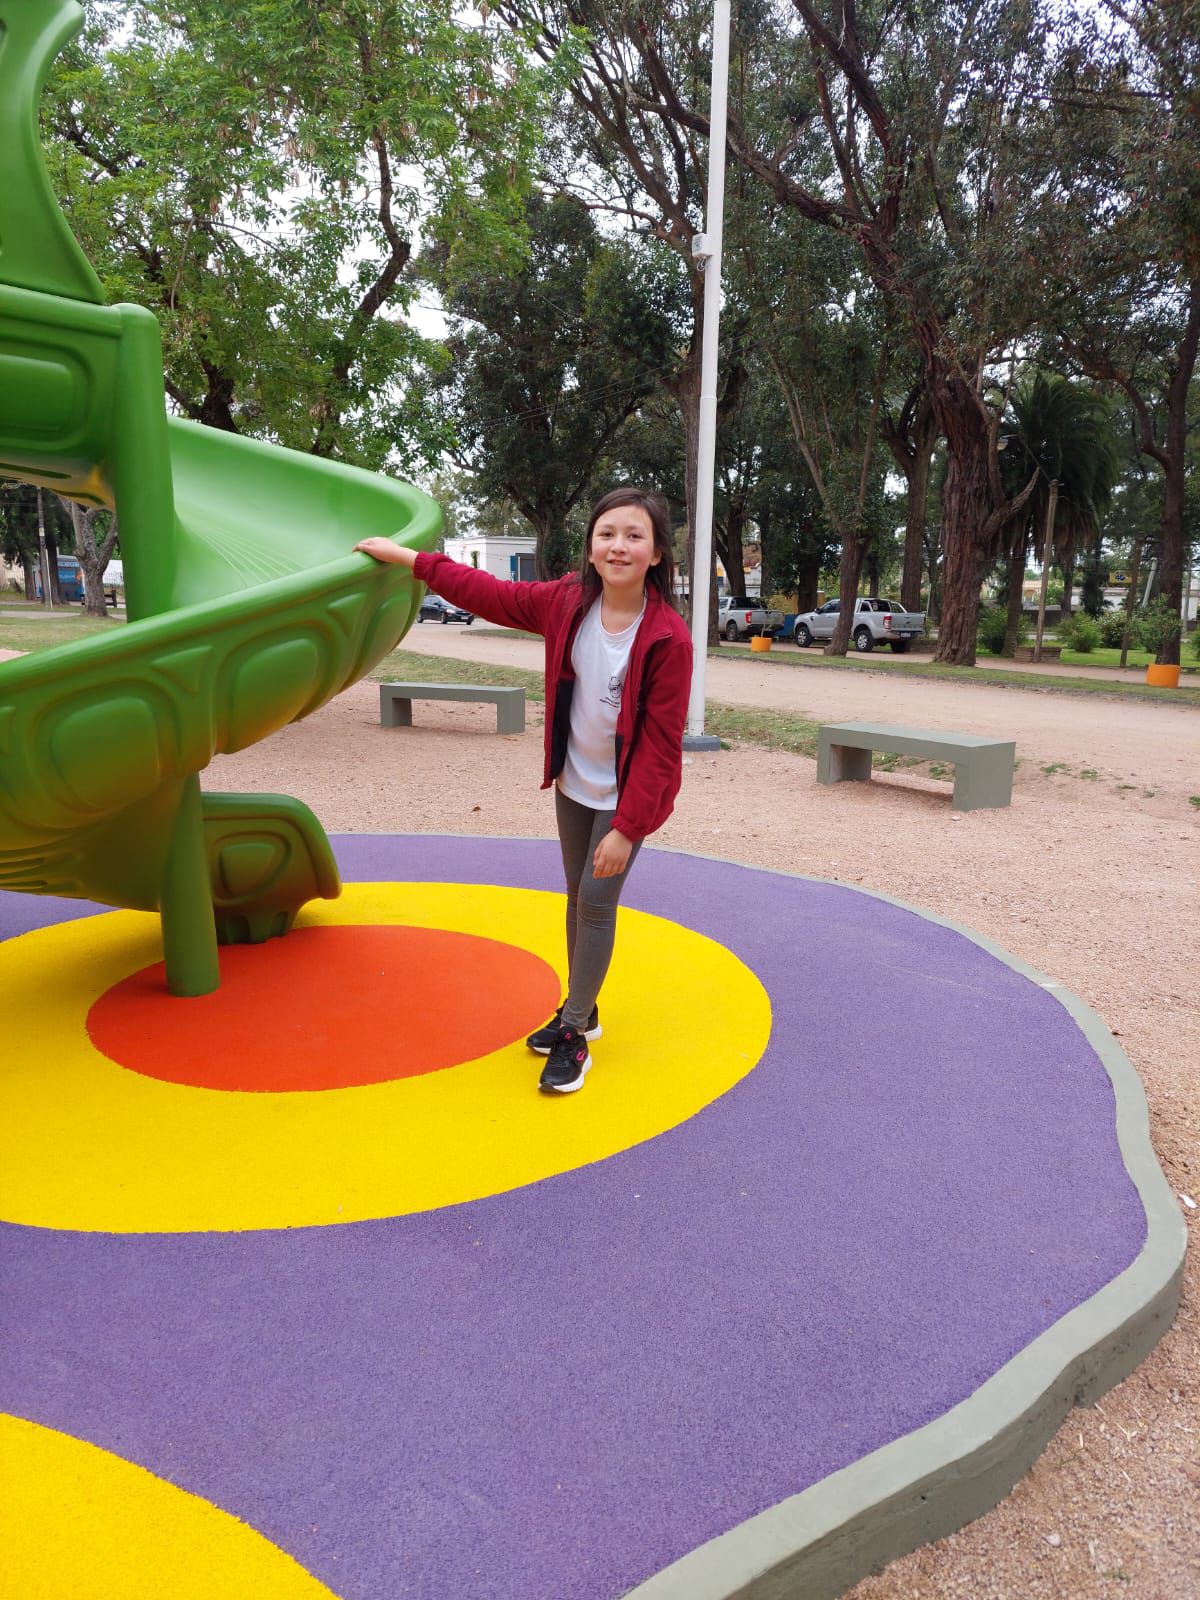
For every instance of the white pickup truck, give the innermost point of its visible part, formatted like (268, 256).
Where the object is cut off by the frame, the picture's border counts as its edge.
(875, 622)
(740, 616)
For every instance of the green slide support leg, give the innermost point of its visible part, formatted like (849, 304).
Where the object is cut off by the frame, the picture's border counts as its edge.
(188, 925)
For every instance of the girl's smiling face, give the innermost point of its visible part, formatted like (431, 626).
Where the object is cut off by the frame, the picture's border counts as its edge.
(622, 549)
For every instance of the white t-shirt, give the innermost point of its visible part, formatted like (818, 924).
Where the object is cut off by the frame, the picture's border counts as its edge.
(600, 661)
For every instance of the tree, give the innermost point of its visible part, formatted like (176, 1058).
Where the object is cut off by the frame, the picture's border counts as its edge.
(907, 135)
(816, 322)
(1127, 275)
(259, 186)
(19, 514)
(622, 160)
(549, 362)
(95, 530)
(1064, 432)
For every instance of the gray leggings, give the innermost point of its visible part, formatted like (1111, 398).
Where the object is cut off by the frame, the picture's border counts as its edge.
(591, 904)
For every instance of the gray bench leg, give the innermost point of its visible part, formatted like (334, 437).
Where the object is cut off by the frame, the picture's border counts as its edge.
(983, 781)
(510, 714)
(394, 711)
(841, 763)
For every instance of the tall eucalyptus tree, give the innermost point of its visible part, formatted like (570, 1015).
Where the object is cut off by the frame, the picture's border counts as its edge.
(907, 131)
(1126, 277)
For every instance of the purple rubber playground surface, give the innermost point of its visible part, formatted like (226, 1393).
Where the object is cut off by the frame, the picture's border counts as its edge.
(551, 1394)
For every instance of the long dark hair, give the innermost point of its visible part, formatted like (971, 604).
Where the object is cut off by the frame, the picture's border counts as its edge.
(661, 576)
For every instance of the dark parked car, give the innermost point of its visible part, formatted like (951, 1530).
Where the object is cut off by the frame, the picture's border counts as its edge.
(435, 609)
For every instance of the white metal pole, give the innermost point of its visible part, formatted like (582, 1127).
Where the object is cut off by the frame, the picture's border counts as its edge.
(43, 556)
(707, 249)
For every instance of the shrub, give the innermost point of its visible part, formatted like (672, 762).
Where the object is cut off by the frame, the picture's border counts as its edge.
(1112, 628)
(1080, 632)
(991, 631)
(1157, 626)
(1195, 643)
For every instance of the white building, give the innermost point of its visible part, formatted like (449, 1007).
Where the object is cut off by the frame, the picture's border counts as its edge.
(509, 556)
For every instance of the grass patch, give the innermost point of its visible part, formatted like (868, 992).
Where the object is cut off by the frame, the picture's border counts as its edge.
(64, 627)
(777, 730)
(1059, 683)
(409, 667)
(1102, 657)
(1194, 800)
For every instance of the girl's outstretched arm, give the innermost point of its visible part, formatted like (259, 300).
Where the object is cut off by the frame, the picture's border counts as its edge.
(512, 605)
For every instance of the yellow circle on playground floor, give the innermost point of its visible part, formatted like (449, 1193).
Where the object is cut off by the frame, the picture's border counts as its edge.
(81, 1521)
(87, 1144)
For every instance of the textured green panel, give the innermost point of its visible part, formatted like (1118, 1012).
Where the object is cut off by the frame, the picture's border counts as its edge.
(271, 687)
(245, 865)
(38, 395)
(107, 754)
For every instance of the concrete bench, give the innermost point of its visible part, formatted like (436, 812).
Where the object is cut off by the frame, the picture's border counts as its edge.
(983, 768)
(396, 702)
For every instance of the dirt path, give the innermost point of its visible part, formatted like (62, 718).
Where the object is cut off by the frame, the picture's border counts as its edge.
(1129, 747)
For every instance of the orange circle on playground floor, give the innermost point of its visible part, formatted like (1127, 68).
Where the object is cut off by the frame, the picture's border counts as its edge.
(366, 1005)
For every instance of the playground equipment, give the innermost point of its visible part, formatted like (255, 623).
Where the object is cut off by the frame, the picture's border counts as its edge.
(245, 610)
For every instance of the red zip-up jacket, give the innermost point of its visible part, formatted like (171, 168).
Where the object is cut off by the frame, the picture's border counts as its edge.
(650, 723)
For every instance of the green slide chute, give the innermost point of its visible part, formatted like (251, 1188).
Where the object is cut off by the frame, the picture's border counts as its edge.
(245, 609)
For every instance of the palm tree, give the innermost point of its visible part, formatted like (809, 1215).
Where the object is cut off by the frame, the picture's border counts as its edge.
(1066, 431)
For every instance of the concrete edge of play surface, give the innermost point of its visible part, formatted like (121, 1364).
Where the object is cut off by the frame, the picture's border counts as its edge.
(927, 1484)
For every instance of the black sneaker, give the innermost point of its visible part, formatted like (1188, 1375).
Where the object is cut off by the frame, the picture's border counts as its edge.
(543, 1040)
(567, 1067)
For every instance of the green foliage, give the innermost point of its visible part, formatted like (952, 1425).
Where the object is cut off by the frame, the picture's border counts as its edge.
(993, 621)
(1063, 431)
(1080, 632)
(256, 175)
(1112, 628)
(1157, 626)
(549, 361)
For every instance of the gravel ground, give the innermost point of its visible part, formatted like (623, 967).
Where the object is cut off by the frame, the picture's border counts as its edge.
(1090, 879)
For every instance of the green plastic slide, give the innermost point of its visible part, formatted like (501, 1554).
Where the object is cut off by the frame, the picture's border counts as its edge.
(246, 609)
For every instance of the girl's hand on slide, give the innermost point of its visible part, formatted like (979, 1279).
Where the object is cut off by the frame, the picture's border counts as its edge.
(386, 550)
(611, 855)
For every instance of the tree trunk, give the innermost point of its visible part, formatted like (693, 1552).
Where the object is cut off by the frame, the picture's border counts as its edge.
(966, 507)
(551, 552)
(872, 565)
(1016, 590)
(854, 548)
(1068, 572)
(914, 527)
(1171, 540)
(92, 557)
(29, 574)
(808, 580)
(735, 550)
(933, 565)
(52, 564)
(1171, 544)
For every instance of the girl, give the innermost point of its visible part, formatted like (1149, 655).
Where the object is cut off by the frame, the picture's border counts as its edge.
(618, 677)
